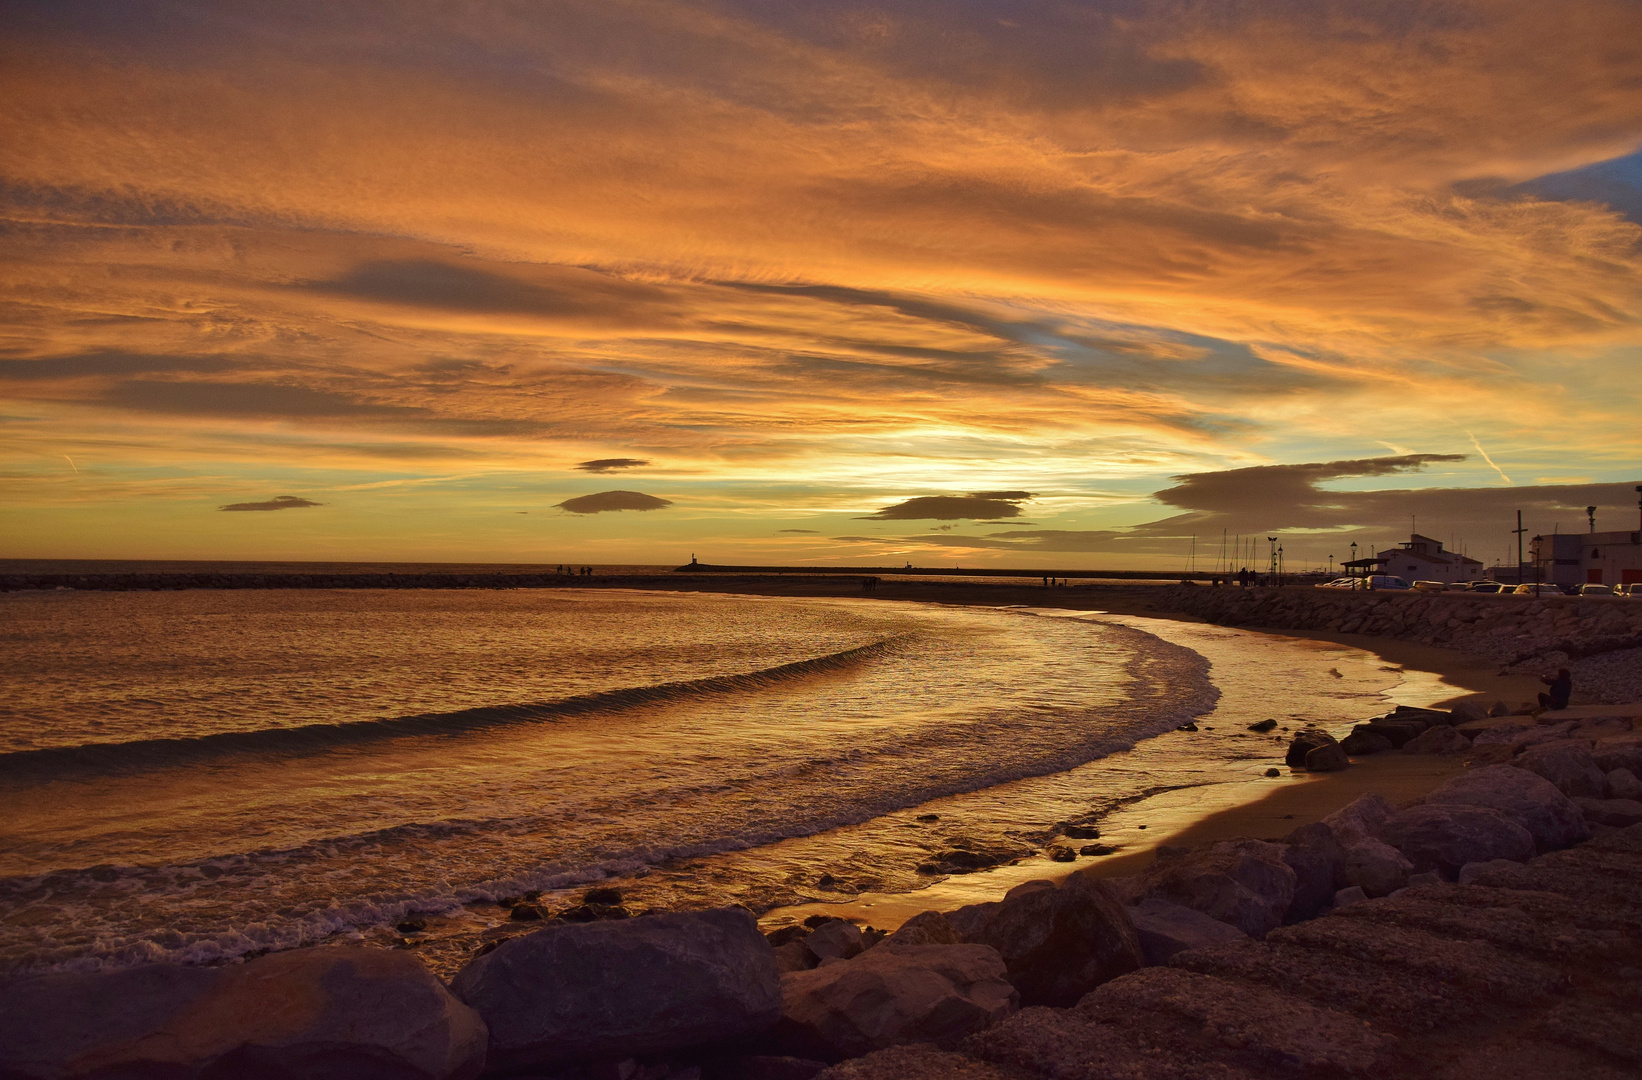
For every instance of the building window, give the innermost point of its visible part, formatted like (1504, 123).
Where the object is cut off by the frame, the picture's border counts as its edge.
(1596, 553)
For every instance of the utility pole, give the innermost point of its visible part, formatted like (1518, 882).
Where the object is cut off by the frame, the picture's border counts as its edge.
(1519, 530)
(1272, 571)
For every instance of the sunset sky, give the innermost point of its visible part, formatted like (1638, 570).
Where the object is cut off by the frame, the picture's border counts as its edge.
(1028, 284)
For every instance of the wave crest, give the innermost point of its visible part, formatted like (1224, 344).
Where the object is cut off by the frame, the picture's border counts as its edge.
(56, 761)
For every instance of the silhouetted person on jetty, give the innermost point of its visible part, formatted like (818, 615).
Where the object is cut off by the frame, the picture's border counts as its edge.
(1562, 688)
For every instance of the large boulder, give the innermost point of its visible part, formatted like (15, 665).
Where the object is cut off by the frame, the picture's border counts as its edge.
(1376, 867)
(835, 938)
(576, 992)
(1316, 858)
(1398, 734)
(892, 995)
(1359, 819)
(1446, 837)
(1364, 743)
(1250, 889)
(1303, 743)
(1468, 710)
(1615, 813)
(324, 1013)
(1525, 797)
(1058, 943)
(1330, 757)
(1567, 765)
(925, 928)
(1623, 784)
(1440, 739)
(1611, 754)
(1166, 928)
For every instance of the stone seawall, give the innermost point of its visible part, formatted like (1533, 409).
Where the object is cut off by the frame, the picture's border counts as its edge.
(1600, 638)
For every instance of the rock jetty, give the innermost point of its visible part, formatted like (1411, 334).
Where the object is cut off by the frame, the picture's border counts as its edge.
(1599, 638)
(1490, 929)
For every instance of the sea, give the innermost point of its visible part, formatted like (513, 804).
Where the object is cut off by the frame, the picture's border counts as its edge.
(201, 776)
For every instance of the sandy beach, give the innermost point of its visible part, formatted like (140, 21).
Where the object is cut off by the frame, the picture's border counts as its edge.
(1264, 809)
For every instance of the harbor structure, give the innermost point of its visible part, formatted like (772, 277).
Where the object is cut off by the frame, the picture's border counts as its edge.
(1423, 558)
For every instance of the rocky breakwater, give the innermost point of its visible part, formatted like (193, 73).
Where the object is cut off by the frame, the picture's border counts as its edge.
(1600, 638)
(1492, 928)
(1474, 966)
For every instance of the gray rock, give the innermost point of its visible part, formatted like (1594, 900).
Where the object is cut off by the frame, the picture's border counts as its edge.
(1329, 758)
(1303, 743)
(1615, 813)
(1352, 894)
(1058, 943)
(1499, 735)
(1376, 867)
(1365, 743)
(925, 928)
(1623, 784)
(892, 995)
(1536, 736)
(1317, 859)
(1446, 837)
(1570, 767)
(1438, 740)
(1359, 819)
(325, 1013)
(836, 938)
(1250, 892)
(1525, 797)
(1165, 929)
(577, 992)
(793, 956)
(1468, 710)
(1611, 754)
(1398, 734)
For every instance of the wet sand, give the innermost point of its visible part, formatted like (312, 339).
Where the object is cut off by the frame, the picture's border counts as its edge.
(1267, 808)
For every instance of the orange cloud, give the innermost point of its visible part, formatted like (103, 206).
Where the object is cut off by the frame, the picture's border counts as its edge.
(918, 247)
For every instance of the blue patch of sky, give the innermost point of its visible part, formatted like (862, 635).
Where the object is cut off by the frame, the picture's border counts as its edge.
(1616, 182)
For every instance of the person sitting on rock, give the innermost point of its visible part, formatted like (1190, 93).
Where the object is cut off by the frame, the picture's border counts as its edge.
(1562, 688)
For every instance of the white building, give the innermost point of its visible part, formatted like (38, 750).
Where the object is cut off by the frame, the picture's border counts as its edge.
(1423, 559)
(1594, 558)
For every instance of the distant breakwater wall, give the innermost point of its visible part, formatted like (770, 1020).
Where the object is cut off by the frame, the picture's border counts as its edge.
(1508, 630)
(128, 582)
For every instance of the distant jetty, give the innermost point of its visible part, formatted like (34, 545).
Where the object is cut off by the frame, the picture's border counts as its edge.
(953, 571)
(522, 578)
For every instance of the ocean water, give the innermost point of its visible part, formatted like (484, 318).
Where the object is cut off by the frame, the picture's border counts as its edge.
(198, 776)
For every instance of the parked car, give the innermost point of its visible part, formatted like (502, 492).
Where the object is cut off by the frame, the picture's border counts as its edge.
(1538, 588)
(1387, 583)
(1595, 590)
(1338, 583)
(1430, 586)
(1633, 590)
(1486, 586)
